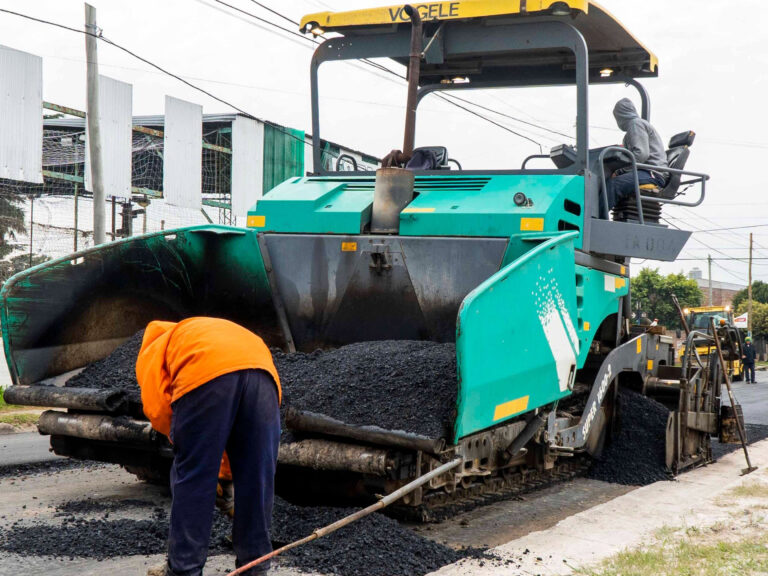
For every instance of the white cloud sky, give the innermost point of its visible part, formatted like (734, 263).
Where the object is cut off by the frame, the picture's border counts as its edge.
(713, 79)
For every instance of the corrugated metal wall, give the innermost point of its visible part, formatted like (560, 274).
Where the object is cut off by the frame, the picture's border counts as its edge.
(116, 123)
(183, 154)
(283, 155)
(21, 116)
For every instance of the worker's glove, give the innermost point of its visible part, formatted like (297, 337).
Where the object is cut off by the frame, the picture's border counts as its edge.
(225, 497)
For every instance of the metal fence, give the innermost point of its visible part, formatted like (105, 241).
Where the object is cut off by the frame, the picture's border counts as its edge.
(39, 222)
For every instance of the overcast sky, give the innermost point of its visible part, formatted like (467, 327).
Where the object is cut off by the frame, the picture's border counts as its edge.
(713, 79)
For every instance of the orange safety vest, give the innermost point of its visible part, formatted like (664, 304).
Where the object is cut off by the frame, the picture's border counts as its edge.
(177, 357)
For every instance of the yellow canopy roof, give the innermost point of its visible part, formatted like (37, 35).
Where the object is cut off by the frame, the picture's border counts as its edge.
(609, 43)
(446, 10)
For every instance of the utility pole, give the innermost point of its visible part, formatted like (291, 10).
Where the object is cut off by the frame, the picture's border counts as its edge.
(749, 290)
(709, 274)
(94, 130)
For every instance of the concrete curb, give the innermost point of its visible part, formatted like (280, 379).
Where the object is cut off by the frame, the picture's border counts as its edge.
(624, 522)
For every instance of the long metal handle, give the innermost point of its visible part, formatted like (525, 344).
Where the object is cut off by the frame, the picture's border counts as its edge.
(383, 503)
(739, 423)
(681, 314)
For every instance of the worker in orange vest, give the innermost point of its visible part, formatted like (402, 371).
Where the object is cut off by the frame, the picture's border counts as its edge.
(210, 385)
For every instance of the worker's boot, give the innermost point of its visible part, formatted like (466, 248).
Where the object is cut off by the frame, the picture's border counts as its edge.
(225, 497)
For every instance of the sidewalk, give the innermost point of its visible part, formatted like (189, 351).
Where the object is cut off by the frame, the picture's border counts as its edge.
(625, 522)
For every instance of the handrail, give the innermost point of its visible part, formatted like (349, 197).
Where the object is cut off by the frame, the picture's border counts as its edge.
(533, 157)
(698, 178)
(346, 157)
(601, 160)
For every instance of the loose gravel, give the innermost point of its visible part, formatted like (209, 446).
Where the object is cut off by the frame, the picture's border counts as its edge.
(21, 471)
(101, 538)
(396, 385)
(118, 370)
(636, 456)
(373, 546)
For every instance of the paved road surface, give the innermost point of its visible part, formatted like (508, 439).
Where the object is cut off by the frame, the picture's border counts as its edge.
(24, 448)
(753, 399)
(36, 495)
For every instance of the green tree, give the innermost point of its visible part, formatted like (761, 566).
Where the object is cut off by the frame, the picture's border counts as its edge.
(652, 293)
(11, 220)
(14, 264)
(759, 294)
(759, 316)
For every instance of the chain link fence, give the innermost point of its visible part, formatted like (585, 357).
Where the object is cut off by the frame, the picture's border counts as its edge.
(39, 222)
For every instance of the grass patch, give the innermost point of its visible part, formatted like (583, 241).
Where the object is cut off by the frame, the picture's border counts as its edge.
(18, 419)
(689, 557)
(4, 407)
(749, 490)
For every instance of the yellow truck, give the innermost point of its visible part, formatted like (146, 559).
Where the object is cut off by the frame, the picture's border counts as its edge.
(698, 318)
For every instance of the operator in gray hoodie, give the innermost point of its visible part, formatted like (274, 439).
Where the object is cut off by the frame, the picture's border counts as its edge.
(644, 142)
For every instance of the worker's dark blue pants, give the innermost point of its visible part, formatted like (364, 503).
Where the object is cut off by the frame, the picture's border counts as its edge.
(749, 369)
(623, 185)
(238, 412)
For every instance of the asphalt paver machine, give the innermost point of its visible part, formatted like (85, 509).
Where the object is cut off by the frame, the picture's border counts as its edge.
(524, 269)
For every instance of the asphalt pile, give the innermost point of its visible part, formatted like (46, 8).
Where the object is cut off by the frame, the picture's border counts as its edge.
(393, 384)
(118, 370)
(373, 546)
(636, 456)
(79, 535)
(19, 472)
(396, 385)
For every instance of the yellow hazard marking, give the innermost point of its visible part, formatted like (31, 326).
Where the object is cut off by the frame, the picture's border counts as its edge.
(349, 246)
(623, 270)
(586, 326)
(414, 210)
(445, 10)
(639, 345)
(620, 283)
(532, 224)
(256, 221)
(510, 408)
(650, 364)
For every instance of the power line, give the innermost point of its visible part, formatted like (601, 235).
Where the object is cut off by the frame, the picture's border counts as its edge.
(265, 21)
(392, 72)
(510, 116)
(275, 12)
(101, 37)
(502, 126)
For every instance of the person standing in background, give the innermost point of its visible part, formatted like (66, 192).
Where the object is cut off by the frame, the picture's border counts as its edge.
(748, 360)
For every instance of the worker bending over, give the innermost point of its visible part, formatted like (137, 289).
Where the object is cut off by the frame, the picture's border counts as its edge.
(210, 386)
(642, 139)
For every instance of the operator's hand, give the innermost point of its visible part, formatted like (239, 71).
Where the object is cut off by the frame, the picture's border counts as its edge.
(225, 497)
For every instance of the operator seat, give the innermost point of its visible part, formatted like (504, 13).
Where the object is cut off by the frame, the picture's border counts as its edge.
(677, 156)
(429, 158)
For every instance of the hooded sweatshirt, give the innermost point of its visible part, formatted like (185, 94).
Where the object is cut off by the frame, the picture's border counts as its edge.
(641, 138)
(176, 358)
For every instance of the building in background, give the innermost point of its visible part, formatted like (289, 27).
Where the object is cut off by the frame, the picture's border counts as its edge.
(56, 216)
(722, 292)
